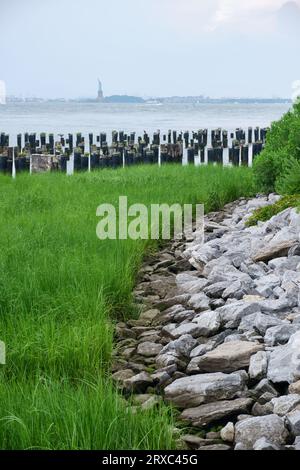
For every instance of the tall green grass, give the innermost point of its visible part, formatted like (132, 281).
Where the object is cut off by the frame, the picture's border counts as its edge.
(61, 289)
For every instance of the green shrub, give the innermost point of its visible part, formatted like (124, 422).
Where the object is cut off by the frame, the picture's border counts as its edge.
(282, 148)
(289, 183)
(265, 213)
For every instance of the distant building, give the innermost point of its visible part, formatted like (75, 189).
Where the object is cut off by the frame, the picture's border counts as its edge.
(2, 92)
(100, 96)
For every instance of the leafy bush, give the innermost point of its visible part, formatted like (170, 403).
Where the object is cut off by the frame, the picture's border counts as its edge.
(282, 148)
(289, 183)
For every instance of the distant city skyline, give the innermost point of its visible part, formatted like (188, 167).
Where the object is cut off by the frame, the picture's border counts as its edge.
(216, 48)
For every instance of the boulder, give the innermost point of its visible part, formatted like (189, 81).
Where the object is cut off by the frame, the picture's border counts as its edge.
(186, 329)
(207, 414)
(228, 357)
(227, 433)
(138, 383)
(149, 349)
(258, 365)
(208, 323)
(293, 422)
(280, 334)
(181, 346)
(199, 302)
(284, 362)
(264, 444)
(232, 314)
(249, 431)
(204, 388)
(295, 388)
(285, 404)
(273, 250)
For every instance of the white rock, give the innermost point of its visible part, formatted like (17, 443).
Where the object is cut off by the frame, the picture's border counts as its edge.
(227, 433)
(258, 365)
(197, 389)
(285, 404)
(249, 431)
(284, 362)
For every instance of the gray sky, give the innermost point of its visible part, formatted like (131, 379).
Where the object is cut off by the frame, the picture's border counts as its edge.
(58, 48)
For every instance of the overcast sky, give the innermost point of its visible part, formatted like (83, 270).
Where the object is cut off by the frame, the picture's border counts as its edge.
(58, 48)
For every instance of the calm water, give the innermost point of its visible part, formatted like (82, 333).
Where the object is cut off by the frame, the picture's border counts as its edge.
(95, 117)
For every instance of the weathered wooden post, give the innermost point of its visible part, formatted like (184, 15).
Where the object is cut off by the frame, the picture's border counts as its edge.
(225, 139)
(32, 142)
(95, 161)
(3, 163)
(114, 137)
(116, 160)
(19, 142)
(84, 163)
(219, 155)
(70, 142)
(129, 157)
(210, 156)
(78, 139)
(43, 139)
(202, 154)
(77, 159)
(63, 159)
(245, 155)
(236, 155)
(132, 138)
(163, 155)
(250, 135)
(191, 156)
(156, 138)
(257, 148)
(51, 143)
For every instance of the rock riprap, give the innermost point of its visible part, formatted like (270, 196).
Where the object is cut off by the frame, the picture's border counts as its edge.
(219, 332)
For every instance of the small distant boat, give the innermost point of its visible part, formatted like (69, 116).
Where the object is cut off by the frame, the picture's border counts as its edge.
(154, 103)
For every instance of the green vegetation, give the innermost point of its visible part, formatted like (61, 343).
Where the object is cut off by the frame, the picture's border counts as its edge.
(289, 182)
(281, 155)
(265, 213)
(61, 292)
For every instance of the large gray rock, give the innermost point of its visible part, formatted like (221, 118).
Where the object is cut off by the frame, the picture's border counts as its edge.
(228, 357)
(285, 404)
(216, 290)
(181, 346)
(263, 322)
(266, 284)
(284, 362)
(280, 334)
(258, 365)
(273, 250)
(232, 314)
(199, 302)
(208, 323)
(263, 444)
(249, 431)
(149, 349)
(293, 422)
(204, 415)
(190, 284)
(138, 383)
(186, 329)
(205, 388)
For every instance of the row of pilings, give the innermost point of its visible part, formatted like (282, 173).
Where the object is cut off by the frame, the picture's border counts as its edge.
(90, 152)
